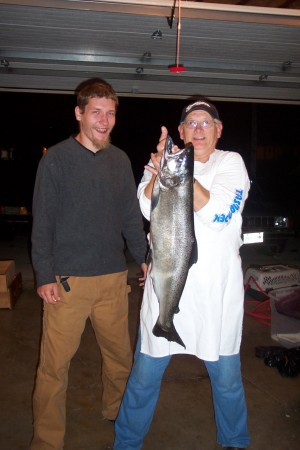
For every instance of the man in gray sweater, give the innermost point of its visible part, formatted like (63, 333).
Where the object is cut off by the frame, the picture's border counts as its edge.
(84, 207)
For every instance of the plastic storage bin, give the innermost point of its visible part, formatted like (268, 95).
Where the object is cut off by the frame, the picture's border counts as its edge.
(272, 277)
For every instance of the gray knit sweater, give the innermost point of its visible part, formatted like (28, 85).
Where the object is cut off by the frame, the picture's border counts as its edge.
(84, 206)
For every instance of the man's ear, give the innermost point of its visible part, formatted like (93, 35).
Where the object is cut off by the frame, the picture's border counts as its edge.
(77, 113)
(180, 129)
(219, 129)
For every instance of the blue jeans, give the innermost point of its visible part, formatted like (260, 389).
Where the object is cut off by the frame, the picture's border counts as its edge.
(142, 391)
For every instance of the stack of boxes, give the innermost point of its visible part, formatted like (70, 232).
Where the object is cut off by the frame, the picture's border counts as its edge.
(10, 284)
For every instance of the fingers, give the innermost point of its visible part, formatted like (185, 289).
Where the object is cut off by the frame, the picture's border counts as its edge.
(142, 279)
(49, 293)
(161, 143)
(164, 133)
(53, 300)
(151, 169)
(156, 157)
(49, 300)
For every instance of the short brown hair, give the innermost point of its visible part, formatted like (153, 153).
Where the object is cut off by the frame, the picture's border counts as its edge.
(94, 87)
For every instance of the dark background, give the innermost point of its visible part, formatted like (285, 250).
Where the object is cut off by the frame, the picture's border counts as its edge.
(266, 135)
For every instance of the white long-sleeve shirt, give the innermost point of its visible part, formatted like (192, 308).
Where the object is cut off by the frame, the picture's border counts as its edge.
(211, 306)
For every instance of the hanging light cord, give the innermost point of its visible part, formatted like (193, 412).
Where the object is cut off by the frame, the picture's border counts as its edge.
(178, 33)
(177, 68)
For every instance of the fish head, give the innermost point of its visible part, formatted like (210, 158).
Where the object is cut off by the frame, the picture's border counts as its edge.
(176, 167)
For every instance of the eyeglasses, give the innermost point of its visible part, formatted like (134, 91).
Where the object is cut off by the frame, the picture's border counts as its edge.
(203, 123)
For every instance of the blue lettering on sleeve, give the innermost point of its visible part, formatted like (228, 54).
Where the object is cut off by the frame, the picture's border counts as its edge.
(234, 207)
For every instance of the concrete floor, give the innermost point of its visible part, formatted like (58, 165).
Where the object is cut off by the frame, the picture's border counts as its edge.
(184, 416)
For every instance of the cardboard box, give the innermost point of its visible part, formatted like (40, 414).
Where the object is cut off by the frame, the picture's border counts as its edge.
(7, 274)
(10, 296)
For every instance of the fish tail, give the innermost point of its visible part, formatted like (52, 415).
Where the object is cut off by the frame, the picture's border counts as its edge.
(170, 335)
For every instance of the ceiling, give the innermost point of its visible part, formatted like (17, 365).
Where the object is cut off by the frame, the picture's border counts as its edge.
(237, 50)
(289, 4)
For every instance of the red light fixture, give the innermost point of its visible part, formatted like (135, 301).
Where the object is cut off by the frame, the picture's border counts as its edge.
(177, 68)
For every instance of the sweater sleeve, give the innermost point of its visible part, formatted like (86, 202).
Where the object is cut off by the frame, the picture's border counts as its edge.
(228, 192)
(44, 210)
(133, 227)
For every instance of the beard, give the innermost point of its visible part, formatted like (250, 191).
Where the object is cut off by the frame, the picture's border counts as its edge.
(91, 141)
(101, 145)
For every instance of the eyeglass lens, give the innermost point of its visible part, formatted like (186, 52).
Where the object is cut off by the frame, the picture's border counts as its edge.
(195, 123)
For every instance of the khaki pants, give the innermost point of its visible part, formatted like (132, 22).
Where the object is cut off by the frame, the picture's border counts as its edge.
(103, 299)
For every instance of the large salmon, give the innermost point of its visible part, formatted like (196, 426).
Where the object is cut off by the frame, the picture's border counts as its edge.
(173, 246)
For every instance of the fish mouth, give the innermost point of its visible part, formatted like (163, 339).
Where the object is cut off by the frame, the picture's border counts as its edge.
(173, 165)
(175, 155)
(169, 153)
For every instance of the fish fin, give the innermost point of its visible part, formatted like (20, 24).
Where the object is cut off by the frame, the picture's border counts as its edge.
(149, 257)
(194, 254)
(170, 335)
(155, 195)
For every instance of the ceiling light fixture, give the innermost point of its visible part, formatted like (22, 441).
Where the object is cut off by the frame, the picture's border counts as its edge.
(146, 57)
(4, 63)
(157, 34)
(263, 77)
(177, 68)
(287, 65)
(139, 70)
